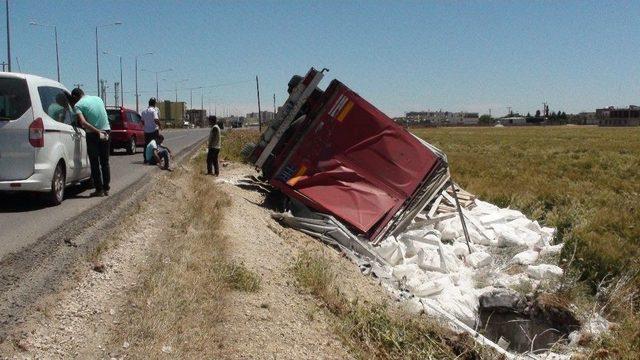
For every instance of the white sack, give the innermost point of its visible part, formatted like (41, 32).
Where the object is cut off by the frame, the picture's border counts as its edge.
(551, 250)
(544, 271)
(527, 257)
(478, 259)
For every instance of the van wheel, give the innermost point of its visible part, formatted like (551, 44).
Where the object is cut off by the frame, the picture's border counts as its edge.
(56, 195)
(131, 149)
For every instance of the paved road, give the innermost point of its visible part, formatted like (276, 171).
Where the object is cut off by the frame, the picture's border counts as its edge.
(24, 219)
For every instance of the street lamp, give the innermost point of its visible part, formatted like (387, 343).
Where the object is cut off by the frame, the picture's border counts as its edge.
(98, 52)
(178, 82)
(121, 84)
(138, 95)
(157, 72)
(55, 32)
(191, 95)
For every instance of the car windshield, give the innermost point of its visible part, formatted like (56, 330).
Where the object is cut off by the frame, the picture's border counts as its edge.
(14, 98)
(114, 115)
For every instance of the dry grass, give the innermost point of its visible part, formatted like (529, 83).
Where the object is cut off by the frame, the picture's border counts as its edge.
(180, 301)
(374, 330)
(234, 139)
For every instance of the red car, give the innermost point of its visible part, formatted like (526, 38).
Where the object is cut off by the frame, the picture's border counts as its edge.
(127, 131)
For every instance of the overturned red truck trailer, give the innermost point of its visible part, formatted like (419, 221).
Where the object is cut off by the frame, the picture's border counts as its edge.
(337, 154)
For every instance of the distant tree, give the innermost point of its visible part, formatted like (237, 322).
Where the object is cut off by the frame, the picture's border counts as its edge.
(537, 113)
(485, 120)
(563, 115)
(528, 114)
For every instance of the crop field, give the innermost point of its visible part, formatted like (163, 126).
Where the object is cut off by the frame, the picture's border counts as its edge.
(585, 181)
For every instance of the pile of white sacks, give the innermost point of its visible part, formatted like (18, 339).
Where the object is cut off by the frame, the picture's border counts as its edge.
(433, 262)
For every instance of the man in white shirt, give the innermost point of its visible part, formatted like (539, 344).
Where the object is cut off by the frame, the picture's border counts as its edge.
(151, 121)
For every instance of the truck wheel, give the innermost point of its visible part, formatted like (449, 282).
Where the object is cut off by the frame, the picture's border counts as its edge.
(56, 195)
(131, 148)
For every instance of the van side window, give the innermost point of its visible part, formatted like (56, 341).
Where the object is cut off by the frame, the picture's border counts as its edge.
(55, 103)
(14, 98)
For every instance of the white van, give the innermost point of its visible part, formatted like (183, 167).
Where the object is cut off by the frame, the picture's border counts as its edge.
(41, 148)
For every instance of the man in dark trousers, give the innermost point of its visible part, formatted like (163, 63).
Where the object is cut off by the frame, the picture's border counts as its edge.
(151, 120)
(214, 147)
(92, 116)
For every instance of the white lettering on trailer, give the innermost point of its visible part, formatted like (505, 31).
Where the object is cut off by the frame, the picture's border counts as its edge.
(339, 104)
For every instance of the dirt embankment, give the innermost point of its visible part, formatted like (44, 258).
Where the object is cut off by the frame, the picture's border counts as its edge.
(200, 270)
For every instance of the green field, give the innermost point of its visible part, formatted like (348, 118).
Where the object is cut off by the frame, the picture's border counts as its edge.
(585, 181)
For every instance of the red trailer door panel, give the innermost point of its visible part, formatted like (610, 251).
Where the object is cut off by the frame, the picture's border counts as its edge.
(354, 162)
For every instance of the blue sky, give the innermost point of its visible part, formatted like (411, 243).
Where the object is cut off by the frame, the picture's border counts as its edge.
(401, 56)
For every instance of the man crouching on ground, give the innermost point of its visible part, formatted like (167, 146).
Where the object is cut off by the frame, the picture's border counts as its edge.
(155, 153)
(92, 116)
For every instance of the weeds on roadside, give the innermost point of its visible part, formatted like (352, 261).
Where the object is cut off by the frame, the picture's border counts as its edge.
(373, 330)
(238, 277)
(180, 300)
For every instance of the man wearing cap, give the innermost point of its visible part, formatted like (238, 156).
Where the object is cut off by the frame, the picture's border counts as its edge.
(92, 116)
(151, 121)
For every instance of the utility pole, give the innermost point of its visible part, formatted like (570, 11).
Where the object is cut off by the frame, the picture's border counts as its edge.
(3, 65)
(259, 112)
(138, 95)
(55, 31)
(8, 38)
(121, 86)
(98, 54)
(97, 63)
(116, 86)
(78, 86)
(274, 106)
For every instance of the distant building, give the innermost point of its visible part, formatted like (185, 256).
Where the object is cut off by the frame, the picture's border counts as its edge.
(172, 114)
(613, 116)
(252, 118)
(513, 120)
(442, 118)
(197, 117)
(233, 121)
(584, 118)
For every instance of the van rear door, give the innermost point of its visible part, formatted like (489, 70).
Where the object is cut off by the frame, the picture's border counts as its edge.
(17, 156)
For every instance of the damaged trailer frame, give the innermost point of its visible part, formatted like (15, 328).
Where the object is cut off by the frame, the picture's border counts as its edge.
(339, 155)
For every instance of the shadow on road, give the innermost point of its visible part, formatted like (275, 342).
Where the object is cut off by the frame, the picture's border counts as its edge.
(30, 201)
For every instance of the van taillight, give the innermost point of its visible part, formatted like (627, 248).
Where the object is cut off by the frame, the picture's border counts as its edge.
(36, 133)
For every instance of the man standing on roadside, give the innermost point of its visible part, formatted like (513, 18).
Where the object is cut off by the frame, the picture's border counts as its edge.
(214, 147)
(151, 121)
(92, 116)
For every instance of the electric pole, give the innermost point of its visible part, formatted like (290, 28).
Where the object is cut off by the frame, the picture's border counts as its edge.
(8, 38)
(259, 114)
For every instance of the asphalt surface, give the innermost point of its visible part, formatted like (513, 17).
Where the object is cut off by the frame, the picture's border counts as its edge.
(24, 218)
